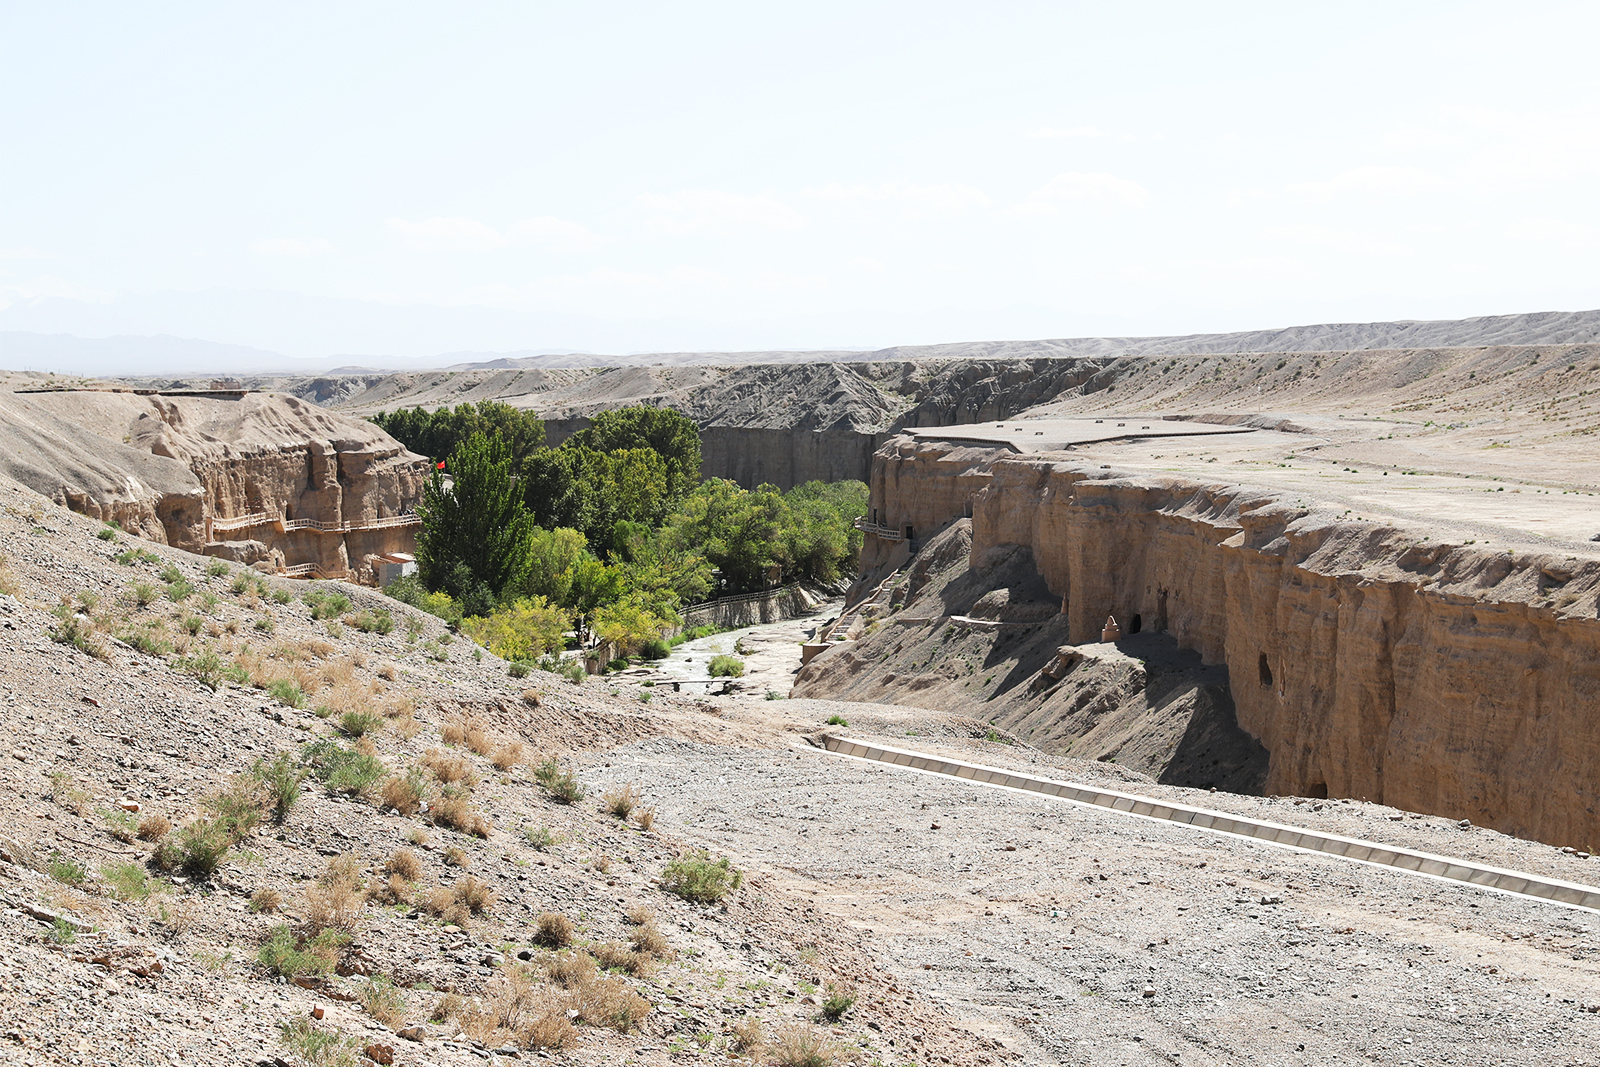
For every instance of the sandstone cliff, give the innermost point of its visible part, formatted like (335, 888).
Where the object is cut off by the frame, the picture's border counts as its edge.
(1370, 660)
(257, 477)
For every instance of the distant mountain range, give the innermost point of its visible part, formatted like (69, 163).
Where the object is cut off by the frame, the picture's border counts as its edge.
(139, 355)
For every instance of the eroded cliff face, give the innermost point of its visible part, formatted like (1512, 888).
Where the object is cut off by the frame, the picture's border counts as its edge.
(1370, 661)
(330, 487)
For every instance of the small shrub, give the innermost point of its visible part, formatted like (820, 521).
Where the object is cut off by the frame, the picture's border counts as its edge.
(478, 741)
(382, 1001)
(539, 837)
(205, 667)
(180, 590)
(192, 625)
(371, 622)
(621, 802)
(326, 604)
(343, 770)
(286, 692)
(285, 954)
(216, 569)
(725, 666)
(357, 723)
(517, 670)
(698, 878)
(507, 756)
(450, 1006)
(840, 999)
(281, 777)
(455, 857)
(120, 824)
(453, 733)
(281, 596)
(560, 784)
(335, 902)
(773, 694)
(645, 818)
(154, 827)
(264, 625)
(532, 697)
(320, 1046)
(619, 664)
(553, 930)
(65, 791)
(62, 932)
(197, 850)
(610, 1002)
(837, 720)
(65, 870)
(106, 533)
(654, 648)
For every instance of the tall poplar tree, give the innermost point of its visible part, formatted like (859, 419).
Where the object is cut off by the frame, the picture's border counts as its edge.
(476, 541)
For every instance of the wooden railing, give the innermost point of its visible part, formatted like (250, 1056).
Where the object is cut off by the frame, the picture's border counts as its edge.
(886, 533)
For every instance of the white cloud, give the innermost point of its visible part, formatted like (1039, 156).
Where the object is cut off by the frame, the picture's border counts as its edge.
(1052, 132)
(448, 234)
(295, 247)
(691, 210)
(24, 253)
(1551, 231)
(455, 234)
(1343, 240)
(1076, 187)
(917, 201)
(1381, 181)
(558, 235)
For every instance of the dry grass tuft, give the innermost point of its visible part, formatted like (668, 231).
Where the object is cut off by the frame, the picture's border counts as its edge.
(747, 1037)
(553, 930)
(403, 793)
(640, 914)
(516, 1008)
(449, 767)
(800, 1045)
(266, 901)
(614, 955)
(391, 890)
(532, 697)
(453, 733)
(473, 895)
(478, 740)
(507, 756)
(570, 969)
(450, 1006)
(455, 856)
(649, 940)
(454, 812)
(621, 802)
(154, 827)
(336, 900)
(645, 818)
(404, 862)
(441, 903)
(388, 672)
(609, 1002)
(383, 1002)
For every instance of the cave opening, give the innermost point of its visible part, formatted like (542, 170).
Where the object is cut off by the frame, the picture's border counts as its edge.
(1135, 624)
(1317, 791)
(1264, 669)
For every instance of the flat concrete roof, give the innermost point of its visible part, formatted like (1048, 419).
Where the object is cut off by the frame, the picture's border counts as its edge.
(1052, 435)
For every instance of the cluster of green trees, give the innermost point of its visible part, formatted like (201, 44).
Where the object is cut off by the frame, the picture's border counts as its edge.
(613, 531)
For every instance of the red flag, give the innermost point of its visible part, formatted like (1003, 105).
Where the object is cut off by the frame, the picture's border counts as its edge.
(441, 464)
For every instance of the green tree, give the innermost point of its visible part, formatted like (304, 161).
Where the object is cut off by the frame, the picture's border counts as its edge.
(437, 434)
(672, 435)
(630, 622)
(737, 530)
(523, 630)
(477, 535)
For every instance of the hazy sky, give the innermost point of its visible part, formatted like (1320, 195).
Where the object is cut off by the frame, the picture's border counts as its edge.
(755, 175)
